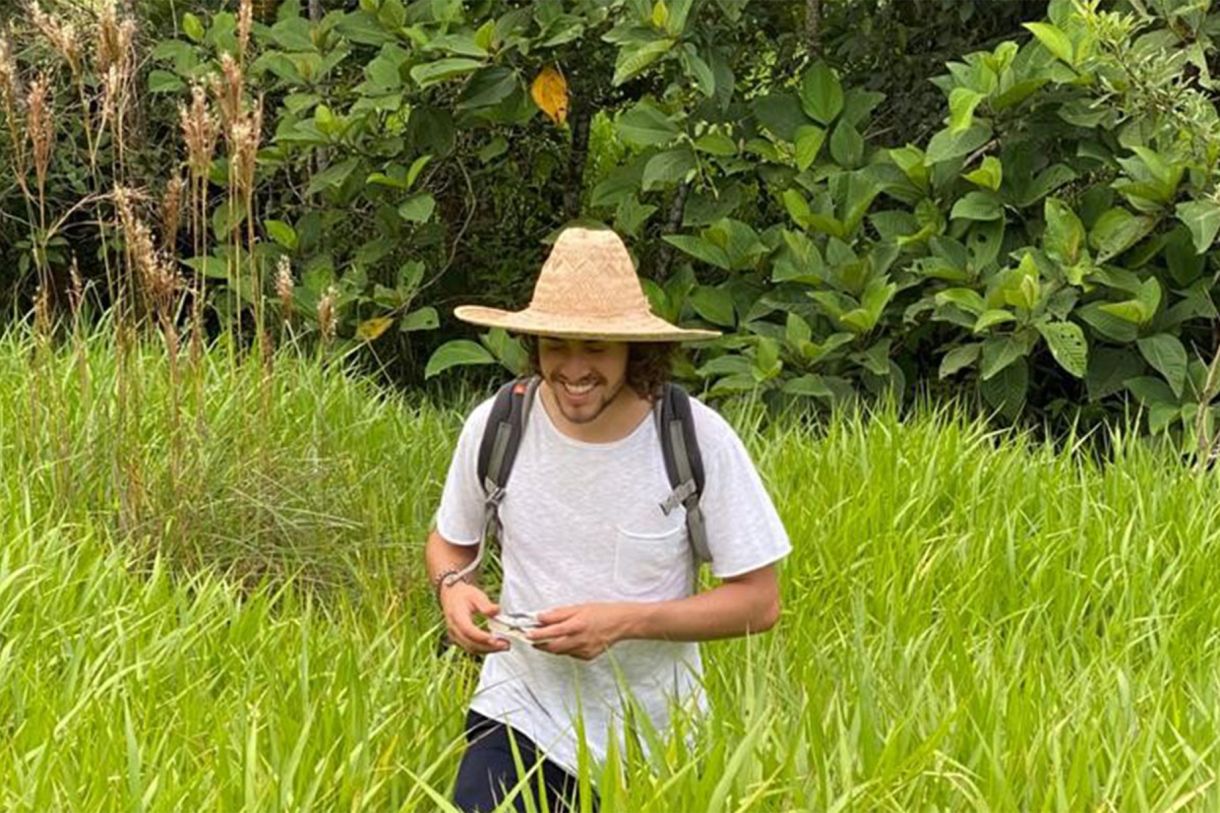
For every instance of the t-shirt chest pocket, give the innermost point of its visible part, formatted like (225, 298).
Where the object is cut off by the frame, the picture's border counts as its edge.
(648, 559)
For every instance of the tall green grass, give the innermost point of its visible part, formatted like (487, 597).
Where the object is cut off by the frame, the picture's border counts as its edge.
(221, 607)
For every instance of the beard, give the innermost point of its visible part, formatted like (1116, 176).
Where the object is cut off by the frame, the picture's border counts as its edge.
(587, 412)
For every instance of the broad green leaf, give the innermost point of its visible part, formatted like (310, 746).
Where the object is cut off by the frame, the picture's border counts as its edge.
(160, 81)
(813, 386)
(431, 73)
(1151, 391)
(417, 208)
(999, 352)
(492, 149)
(797, 330)
(962, 102)
(1109, 369)
(1064, 236)
(1202, 217)
(634, 58)
(809, 140)
(716, 143)
(821, 94)
(488, 87)
(959, 358)
(964, 298)
(422, 319)
(978, 205)
(989, 175)
(947, 145)
(456, 353)
(282, 233)
(1054, 39)
(1068, 345)
(1007, 390)
(780, 113)
(990, 318)
(645, 126)
(1116, 231)
(668, 168)
(846, 145)
(1168, 357)
(713, 304)
(331, 177)
(697, 70)
(192, 27)
(700, 249)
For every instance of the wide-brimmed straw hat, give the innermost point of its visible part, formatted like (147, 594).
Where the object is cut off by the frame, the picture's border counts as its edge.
(588, 289)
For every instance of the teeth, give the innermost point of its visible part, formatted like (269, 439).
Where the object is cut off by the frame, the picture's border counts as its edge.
(578, 390)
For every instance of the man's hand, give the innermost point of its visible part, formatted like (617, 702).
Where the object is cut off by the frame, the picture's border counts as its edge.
(583, 630)
(461, 602)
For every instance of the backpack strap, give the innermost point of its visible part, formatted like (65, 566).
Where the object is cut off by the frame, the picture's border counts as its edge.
(683, 464)
(497, 452)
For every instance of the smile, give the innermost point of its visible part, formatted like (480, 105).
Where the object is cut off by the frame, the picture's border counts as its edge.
(578, 389)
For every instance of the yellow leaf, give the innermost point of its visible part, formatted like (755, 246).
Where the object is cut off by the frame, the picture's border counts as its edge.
(550, 92)
(370, 329)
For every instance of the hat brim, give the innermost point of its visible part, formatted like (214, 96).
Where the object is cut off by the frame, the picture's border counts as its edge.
(632, 328)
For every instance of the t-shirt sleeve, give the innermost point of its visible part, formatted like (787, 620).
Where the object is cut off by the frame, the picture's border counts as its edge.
(459, 519)
(744, 531)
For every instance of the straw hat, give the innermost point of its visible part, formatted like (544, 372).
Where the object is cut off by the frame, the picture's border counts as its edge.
(588, 289)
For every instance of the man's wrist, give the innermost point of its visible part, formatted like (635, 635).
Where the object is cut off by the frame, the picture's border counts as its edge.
(447, 578)
(638, 620)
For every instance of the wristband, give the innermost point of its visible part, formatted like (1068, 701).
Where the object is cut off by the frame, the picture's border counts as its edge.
(446, 578)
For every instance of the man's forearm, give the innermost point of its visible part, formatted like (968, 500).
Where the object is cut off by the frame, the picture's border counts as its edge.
(728, 610)
(441, 555)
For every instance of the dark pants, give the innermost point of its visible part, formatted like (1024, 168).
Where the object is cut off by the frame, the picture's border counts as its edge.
(488, 772)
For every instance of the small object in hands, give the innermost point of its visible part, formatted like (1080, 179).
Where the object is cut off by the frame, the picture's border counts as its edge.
(513, 625)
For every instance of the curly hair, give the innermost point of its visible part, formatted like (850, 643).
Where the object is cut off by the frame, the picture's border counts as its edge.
(649, 364)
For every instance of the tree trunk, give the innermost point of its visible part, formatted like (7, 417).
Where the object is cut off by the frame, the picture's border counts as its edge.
(677, 209)
(582, 113)
(813, 28)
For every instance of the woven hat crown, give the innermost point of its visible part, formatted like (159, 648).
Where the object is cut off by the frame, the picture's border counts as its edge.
(588, 273)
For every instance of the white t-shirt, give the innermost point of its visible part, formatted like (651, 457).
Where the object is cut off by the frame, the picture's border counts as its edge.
(581, 523)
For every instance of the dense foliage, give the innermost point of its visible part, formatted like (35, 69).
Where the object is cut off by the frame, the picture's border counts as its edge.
(1039, 236)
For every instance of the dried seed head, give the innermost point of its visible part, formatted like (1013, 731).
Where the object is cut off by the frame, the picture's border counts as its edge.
(42, 311)
(245, 21)
(10, 90)
(199, 132)
(114, 40)
(171, 211)
(326, 314)
(111, 94)
(127, 38)
(228, 90)
(244, 140)
(40, 125)
(107, 49)
(61, 35)
(77, 291)
(284, 287)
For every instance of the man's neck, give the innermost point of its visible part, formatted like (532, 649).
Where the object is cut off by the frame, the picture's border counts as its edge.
(618, 420)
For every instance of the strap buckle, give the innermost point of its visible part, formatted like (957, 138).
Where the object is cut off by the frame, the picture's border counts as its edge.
(679, 496)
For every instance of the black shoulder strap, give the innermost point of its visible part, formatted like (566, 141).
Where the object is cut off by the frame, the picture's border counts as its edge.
(683, 463)
(497, 451)
(502, 435)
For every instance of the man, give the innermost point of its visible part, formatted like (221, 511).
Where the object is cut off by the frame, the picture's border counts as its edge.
(586, 544)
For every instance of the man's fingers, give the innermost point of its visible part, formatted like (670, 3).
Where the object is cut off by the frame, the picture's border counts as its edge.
(474, 638)
(557, 614)
(555, 630)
